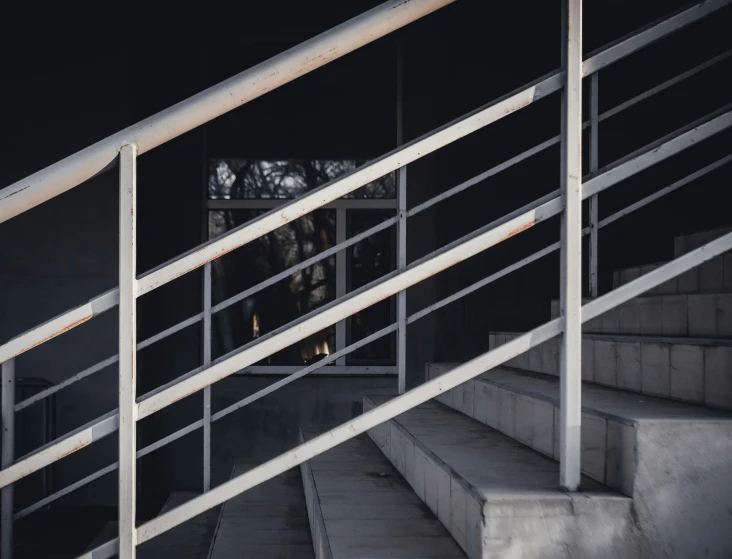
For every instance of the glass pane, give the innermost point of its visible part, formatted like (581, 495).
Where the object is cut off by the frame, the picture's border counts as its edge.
(369, 260)
(251, 179)
(282, 302)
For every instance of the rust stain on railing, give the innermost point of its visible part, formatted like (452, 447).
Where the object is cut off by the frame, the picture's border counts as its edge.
(57, 333)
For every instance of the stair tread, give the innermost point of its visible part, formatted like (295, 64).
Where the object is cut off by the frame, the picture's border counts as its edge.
(268, 521)
(361, 495)
(602, 400)
(467, 447)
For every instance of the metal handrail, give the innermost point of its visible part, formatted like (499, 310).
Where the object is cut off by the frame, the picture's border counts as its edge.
(58, 178)
(373, 230)
(373, 337)
(530, 214)
(602, 58)
(214, 102)
(423, 393)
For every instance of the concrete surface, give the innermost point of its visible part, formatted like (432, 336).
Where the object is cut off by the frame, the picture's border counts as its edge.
(368, 510)
(497, 497)
(668, 456)
(695, 370)
(700, 315)
(267, 522)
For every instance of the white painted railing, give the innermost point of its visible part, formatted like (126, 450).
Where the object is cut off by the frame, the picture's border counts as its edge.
(246, 86)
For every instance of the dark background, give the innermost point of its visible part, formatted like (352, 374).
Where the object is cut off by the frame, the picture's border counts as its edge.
(71, 78)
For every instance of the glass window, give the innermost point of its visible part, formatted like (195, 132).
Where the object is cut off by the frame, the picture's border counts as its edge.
(252, 179)
(282, 302)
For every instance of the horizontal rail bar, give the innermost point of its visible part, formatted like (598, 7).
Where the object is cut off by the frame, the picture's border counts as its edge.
(55, 450)
(227, 365)
(665, 85)
(269, 203)
(337, 188)
(58, 325)
(68, 320)
(214, 101)
(651, 33)
(378, 335)
(105, 363)
(302, 265)
(661, 149)
(426, 391)
(307, 370)
(664, 191)
(107, 469)
(376, 291)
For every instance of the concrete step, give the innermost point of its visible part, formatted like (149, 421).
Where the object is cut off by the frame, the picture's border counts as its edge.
(190, 540)
(497, 497)
(361, 508)
(714, 276)
(700, 315)
(694, 370)
(268, 521)
(627, 439)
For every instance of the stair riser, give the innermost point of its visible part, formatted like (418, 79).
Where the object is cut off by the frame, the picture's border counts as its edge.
(697, 315)
(517, 527)
(688, 373)
(713, 276)
(663, 464)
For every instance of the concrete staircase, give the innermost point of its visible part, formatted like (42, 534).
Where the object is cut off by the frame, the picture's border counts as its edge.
(475, 473)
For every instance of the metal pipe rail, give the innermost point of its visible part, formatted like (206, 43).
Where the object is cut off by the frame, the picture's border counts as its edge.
(373, 337)
(529, 215)
(373, 230)
(110, 299)
(214, 101)
(180, 118)
(400, 404)
(604, 57)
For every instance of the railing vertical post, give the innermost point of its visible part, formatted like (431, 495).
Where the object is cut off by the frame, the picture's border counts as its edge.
(127, 351)
(571, 285)
(594, 214)
(341, 260)
(207, 390)
(8, 455)
(401, 233)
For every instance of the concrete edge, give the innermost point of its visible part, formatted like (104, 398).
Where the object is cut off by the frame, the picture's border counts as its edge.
(429, 454)
(218, 519)
(318, 532)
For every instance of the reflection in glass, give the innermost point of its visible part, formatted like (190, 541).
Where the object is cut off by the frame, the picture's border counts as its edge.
(251, 179)
(369, 260)
(282, 302)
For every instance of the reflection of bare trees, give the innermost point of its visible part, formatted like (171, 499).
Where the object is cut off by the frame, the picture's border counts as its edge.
(284, 301)
(241, 179)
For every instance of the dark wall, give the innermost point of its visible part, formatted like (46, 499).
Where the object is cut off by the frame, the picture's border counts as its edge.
(75, 81)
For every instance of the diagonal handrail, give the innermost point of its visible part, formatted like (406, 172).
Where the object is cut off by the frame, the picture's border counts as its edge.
(372, 337)
(373, 230)
(539, 210)
(426, 391)
(214, 102)
(604, 57)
